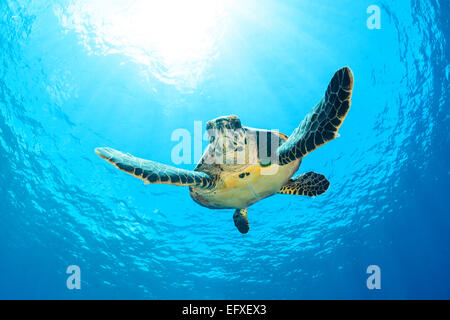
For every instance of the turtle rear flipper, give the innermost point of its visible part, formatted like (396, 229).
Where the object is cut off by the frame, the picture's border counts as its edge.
(308, 184)
(321, 125)
(154, 172)
(241, 220)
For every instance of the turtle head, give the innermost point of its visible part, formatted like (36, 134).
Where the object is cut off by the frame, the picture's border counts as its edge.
(226, 136)
(223, 128)
(226, 122)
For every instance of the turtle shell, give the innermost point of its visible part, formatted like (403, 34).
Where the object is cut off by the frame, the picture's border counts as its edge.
(240, 160)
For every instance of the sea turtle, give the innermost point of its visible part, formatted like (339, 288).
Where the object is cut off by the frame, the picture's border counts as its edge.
(238, 168)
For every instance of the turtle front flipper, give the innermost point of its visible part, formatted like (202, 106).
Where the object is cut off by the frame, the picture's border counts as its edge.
(154, 172)
(241, 220)
(321, 125)
(308, 184)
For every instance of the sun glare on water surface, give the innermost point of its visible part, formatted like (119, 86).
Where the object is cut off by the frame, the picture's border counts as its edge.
(174, 39)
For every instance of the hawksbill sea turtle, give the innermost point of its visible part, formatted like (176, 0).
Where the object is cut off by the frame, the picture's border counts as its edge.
(243, 165)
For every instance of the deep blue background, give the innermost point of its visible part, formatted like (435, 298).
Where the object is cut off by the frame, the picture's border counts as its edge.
(75, 75)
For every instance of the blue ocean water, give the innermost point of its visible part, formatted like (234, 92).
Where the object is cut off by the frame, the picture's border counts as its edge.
(75, 75)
